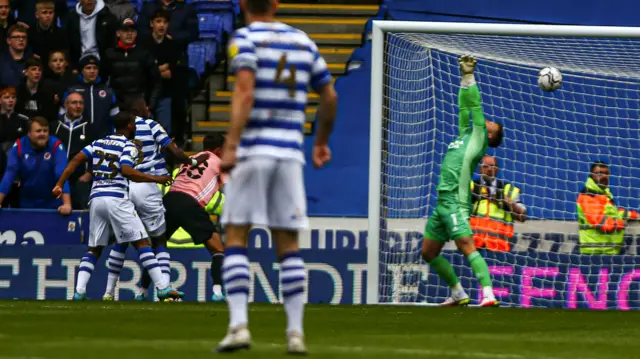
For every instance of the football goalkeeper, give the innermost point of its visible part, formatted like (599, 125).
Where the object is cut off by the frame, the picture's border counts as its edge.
(450, 218)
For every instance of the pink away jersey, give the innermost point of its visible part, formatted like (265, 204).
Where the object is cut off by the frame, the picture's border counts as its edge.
(200, 182)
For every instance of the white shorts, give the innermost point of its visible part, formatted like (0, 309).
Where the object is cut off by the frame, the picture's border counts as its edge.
(265, 191)
(114, 216)
(147, 198)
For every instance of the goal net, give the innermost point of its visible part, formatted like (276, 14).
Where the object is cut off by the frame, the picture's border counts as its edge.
(550, 141)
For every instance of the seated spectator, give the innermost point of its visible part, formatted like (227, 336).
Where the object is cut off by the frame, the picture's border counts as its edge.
(99, 100)
(132, 70)
(91, 28)
(27, 11)
(35, 98)
(38, 160)
(45, 36)
(12, 62)
(76, 132)
(167, 54)
(6, 21)
(183, 29)
(59, 75)
(121, 9)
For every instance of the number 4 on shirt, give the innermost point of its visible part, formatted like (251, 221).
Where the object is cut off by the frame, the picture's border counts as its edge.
(290, 80)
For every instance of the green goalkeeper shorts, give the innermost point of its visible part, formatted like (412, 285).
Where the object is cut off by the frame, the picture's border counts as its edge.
(449, 220)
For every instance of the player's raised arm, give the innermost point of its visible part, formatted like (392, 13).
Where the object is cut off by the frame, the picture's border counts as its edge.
(469, 95)
(79, 159)
(126, 168)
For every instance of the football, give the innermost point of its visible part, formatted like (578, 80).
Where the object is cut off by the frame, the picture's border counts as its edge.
(550, 79)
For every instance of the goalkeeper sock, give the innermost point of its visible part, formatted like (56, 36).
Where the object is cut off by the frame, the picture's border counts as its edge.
(445, 271)
(480, 269)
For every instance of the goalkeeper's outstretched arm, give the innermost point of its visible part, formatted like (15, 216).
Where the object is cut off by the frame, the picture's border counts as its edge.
(469, 95)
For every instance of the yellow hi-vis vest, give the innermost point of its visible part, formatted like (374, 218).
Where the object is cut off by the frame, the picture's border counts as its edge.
(180, 238)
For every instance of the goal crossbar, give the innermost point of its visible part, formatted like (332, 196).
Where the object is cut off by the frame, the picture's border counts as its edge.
(379, 30)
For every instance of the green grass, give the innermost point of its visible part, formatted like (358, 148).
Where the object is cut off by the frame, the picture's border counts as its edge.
(119, 330)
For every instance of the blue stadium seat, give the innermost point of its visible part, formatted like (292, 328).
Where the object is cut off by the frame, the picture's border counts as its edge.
(210, 26)
(219, 5)
(201, 54)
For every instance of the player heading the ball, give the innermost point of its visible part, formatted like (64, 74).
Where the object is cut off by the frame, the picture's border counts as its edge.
(110, 210)
(450, 218)
(274, 65)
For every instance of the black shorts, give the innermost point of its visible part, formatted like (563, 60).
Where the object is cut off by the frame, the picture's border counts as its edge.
(182, 210)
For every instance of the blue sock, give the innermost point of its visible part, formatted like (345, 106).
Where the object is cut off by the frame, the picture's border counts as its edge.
(87, 265)
(235, 274)
(293, 280)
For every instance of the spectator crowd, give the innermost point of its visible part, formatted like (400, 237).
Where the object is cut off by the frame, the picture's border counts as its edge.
(66, 72)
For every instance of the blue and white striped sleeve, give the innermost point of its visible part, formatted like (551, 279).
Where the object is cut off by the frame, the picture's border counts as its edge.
(88, 151)
(159, 134)
(242, 53)
(320, 74)
(129, 155)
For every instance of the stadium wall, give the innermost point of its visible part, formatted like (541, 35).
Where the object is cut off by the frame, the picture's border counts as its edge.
(40, 255)
(342, 188)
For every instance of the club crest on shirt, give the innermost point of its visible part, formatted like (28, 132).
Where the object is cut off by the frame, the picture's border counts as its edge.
(233, 50)
(47, 155)
(102, 93)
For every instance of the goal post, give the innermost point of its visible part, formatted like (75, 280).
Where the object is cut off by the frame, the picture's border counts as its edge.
(546, 153)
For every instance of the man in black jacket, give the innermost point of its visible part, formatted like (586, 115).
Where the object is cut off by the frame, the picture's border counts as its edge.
(167, 55)
(91, 28)
(99, 100)
(46, 36)
(183, 29)
(35, 97)
(6, 20)
(27, 9)
(12, 126)
(132, 69)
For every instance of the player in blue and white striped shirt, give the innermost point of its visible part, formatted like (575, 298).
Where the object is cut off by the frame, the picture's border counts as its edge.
(112, 161)
(151, 141)
(274, 65)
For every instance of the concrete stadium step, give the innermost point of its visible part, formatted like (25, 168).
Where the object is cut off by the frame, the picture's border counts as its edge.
(223, 113)
(312, 25)
(327, 9)
(337, 39)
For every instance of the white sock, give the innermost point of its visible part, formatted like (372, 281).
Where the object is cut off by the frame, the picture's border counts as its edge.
(458, 292)
(487, 293)
(87, 265)
(164, 260)
(217, 289)
(235, 275)
(115, 264)
(143, 291)
(293, 278)
(150, 263)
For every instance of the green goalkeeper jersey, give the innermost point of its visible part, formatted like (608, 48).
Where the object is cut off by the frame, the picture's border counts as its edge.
(464, 153)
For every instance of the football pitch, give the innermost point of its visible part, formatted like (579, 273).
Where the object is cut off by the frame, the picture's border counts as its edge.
(94, 329)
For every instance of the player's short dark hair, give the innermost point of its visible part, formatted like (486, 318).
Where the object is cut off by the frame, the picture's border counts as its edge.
(258, 7)
(496, 139)
(135, 104)
(161, 13)
(31, 62)
(598, 164)
(39, 120)
(123, 119)
(213, 141)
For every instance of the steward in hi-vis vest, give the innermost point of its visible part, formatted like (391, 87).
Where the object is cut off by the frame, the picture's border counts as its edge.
(602, 223)
(495, 205)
